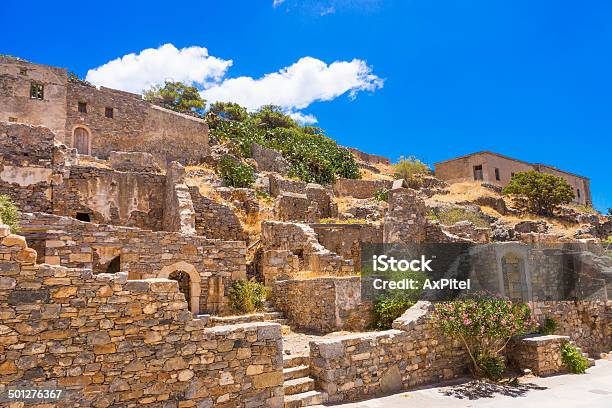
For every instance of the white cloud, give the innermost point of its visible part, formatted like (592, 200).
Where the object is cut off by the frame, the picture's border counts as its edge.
(138, 72)
(293, 88)
(303, 118)
(297, 86)
(329, 10)
(277, 3)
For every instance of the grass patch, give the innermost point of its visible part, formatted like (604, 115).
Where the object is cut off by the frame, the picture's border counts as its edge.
(454, 215)
(574, 361)
(9, 214)
(247, 296)
(346, 221)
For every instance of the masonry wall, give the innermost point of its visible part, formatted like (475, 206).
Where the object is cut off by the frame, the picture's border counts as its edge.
(364, 365)
(212, 265)
(112, 197)
(30, 165)
(136, 125)
(323, 305)
(108, 341)
(16, 105)
(360, 188)
(346, 239)
(215, 220)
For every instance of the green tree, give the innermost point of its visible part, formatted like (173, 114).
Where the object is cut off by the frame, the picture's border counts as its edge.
(272, 116)
(229, 111)
(9, 214)
(177, 96)
(610, 211)
(412, 170)
(539, 193)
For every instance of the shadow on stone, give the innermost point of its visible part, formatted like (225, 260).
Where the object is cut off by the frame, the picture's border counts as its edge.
(479, 389)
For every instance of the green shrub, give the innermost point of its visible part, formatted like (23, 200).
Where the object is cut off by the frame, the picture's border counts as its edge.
(381, 195)
(9, 214)
(492, 367)
(539, 193)
(235, 174)
(412, 170)
(453, 215)
(484, 325)
(247, 296)
(574, 361)
(386, 310)
(548, 327)
(345, 221)
(313, 156)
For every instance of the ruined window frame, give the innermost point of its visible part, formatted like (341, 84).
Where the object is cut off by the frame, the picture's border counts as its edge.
(82, 107)
(109, 112)
(37, 91)
(497, 175)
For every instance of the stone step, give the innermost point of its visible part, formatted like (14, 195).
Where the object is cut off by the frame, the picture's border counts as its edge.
(295, 360)
(296, 372)
(305, 399)
(273, 315)
(299, 385)
(282, 321)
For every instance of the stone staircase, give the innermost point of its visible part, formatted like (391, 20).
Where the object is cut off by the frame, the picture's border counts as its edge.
(299, 386)
(269, 314)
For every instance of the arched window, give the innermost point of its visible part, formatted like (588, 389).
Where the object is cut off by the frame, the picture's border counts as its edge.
(184, 284)
(515, 281)
(81, 140)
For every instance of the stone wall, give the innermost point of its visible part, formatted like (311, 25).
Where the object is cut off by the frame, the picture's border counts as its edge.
(28, 167)
(587, 323)
(179, 214)
(360, 188)
(135, 125)
(108, 341)
(112, 197)
(323, 305)
(346, 239)
(279, 185)
(16, 104)
(211, 265)
(215, 220)
(134, 161)
(368, 158)
(297, 244)
(364, 365)
(405, 221)
(540, 354)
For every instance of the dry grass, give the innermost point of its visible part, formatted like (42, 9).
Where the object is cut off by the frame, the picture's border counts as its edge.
(466, 191)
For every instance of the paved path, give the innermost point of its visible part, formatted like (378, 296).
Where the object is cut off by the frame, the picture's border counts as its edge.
(592, 390)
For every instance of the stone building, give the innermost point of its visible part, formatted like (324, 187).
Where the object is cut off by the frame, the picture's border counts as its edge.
(497, 169)
(93, 120)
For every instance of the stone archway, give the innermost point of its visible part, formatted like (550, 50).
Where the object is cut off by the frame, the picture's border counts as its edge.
(195, 287)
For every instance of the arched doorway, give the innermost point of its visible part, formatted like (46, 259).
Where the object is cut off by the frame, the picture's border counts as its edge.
(184, 284)
(81, 140)
(192, 296)
(514, 278)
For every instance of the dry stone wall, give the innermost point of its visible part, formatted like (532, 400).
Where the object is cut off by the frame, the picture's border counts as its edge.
(323, 305)
(360, 188)
(108, 341)
(215, 220)
(364, 365)
(540, 354)
(112, 197)
(405, 221)
(211, 264)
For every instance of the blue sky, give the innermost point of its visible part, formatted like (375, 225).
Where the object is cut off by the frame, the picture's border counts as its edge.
(433, 79)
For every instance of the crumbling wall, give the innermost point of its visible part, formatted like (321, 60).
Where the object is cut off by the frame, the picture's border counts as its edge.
(215, 220)
(346, 239)
(540, 354)
(179, 214)
(112, 197)
(360, 188)
(212, 264)
(30, 165)
(405, 221)
(16, 104)
(108, 341)
(323, 305)
(269, 159)
(288, 239)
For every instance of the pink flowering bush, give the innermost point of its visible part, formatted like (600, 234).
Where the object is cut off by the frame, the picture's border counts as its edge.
(484, 324)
